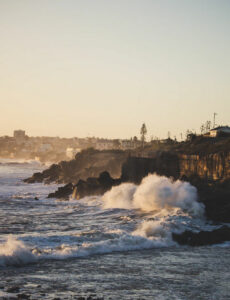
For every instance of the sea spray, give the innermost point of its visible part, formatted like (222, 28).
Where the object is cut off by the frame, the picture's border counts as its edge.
(15, 252)
(154, 194)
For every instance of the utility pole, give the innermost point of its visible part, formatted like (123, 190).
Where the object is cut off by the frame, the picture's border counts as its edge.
(214, 119)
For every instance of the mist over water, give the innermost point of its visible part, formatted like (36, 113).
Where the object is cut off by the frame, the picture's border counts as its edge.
(126, 221)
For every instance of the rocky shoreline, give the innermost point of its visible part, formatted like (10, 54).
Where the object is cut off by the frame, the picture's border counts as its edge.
(210, 174)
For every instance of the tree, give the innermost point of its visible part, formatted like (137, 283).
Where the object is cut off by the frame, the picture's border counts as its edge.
(143, 132)
(202, 129)
(208, 125)
(116, 144)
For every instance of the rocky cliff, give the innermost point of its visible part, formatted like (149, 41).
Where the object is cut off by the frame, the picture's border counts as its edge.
(88, 163)
(211, 168)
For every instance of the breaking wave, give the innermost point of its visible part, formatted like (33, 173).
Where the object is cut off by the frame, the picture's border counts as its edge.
(15, 252)
(154, 194)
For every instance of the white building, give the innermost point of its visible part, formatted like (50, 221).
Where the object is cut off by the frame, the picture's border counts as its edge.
(220, 131)
(71, 152)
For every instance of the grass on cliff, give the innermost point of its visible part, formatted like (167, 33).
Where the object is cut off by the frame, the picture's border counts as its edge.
(198, 145)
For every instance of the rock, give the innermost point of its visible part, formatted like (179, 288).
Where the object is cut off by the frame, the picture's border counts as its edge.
(12, 289)
(94, 186)
(87, 163)
(203, 238)
(23, 296)
(37, 177)
(62, 192)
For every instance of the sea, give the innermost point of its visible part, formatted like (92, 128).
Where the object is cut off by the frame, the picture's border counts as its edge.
(114, 246)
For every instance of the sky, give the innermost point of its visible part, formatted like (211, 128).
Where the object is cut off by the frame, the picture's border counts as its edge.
(77, 68)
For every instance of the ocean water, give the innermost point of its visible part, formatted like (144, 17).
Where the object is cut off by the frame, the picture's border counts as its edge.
(116, 246)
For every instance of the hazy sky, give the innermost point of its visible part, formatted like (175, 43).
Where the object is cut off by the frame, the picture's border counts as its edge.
(103, 67)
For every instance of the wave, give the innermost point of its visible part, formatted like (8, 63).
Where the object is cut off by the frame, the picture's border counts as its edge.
(15, 252)
(18, 161)
(154, 194)
(149, 234)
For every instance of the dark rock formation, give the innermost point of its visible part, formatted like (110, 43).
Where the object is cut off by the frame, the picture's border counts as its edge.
(92, 186)
(62, 192)
(49, 175)
(164, 163)
(217, 202)
(203, 238)
(88, 163)
(95, 186)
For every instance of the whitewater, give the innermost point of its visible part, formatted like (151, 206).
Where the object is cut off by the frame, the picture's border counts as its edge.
(118, 245)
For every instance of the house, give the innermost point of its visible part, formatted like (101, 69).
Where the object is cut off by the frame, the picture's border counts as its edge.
(104, 144)
(220, 131)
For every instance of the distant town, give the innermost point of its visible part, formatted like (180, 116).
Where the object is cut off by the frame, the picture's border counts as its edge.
(55, 149)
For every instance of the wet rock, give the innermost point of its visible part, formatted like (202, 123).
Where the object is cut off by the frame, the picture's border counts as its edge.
(94, 186)
(62, 192)
(37, 177)
(203, 238)
(12, 289)
(87, 163)
(23, 296)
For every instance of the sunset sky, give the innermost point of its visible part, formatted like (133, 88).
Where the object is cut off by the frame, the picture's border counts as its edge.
(102, 68)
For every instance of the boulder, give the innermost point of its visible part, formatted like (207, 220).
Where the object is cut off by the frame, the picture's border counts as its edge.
(62, 192)
(203, 238)
(94, 186)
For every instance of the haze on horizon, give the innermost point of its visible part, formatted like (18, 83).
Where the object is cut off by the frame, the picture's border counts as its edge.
(102, 68)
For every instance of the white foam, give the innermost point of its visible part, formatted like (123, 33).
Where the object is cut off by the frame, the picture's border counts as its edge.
(125, 242)
(154, 194)
(15, 252)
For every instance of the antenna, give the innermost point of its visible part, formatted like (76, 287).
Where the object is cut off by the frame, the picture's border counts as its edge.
(214, 119)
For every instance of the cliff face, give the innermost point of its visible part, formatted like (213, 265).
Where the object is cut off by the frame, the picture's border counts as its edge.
(164, 163)
(212, 167)
(209, 168)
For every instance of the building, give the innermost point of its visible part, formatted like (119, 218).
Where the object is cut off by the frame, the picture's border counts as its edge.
(19, 134)
(104, 144)
(71, 152)
(220, 131)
